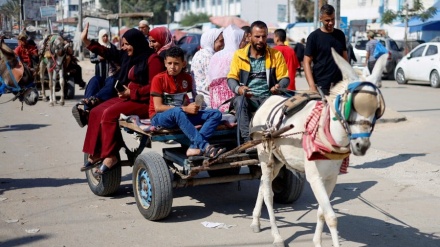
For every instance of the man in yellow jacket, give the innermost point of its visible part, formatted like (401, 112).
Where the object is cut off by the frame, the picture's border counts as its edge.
(257, 71)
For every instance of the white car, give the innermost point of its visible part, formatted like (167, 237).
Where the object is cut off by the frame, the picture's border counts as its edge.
(421, 64)
(360, 52)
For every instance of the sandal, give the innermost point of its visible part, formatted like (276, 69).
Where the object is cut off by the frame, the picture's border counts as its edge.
(91, 102)
(213, 152)
(103, 169)
(89, 165)
(80, 115)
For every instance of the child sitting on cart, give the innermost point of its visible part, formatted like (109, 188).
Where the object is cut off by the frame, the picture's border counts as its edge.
(170, 107)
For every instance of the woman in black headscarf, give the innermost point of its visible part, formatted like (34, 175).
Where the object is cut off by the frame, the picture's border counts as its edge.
(103, 138)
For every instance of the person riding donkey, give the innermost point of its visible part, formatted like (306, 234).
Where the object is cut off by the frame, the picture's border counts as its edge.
(169, 106)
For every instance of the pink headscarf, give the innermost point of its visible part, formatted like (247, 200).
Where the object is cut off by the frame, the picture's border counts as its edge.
(163, 36)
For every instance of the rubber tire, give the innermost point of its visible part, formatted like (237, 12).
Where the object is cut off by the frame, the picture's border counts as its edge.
(400, 77)
(158, 200)
(437, 83)
(224, 172)
(287, 186)
(107, 184)
(69, 88)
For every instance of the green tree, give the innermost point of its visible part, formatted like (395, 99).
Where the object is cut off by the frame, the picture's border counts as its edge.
(419, 11)
(192, 19)
(158, 7)
(304, 10)
(11, 9)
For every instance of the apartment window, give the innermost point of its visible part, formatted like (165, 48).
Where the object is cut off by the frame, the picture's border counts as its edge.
(362, 3)
(73, 7)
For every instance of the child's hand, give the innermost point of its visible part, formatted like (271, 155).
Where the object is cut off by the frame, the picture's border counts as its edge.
(191, 108)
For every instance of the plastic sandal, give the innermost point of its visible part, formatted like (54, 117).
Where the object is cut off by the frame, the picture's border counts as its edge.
(213, 152)
(103, 169)
(80, 115)
(89, 165)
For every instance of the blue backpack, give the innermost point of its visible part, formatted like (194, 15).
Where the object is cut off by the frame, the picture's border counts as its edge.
(379, 50)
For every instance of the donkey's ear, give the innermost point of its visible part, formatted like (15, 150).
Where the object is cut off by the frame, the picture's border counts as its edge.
(347, 71)
(376, 74)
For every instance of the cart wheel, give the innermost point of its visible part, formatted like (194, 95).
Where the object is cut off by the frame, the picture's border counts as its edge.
(105, 184)
(224, 172)
(287, 186)
(152, 186)
(69, 88)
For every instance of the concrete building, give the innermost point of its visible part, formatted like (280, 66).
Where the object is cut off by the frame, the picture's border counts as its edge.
(272, 12)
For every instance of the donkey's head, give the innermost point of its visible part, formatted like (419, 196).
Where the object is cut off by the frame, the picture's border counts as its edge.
(358, 102)
(59, 48)
(15, 77)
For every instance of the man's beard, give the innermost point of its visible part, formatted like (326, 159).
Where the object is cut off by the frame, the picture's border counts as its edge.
(259, 49)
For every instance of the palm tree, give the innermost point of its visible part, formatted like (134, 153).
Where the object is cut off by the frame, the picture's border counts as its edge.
(11, 10)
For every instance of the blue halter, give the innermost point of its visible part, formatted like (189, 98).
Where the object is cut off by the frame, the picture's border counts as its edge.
(344, 114)
(16, 88)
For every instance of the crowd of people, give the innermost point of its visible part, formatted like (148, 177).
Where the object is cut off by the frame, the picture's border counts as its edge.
(234, 66)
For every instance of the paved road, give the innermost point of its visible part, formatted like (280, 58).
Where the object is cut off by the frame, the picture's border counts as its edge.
(388, 198)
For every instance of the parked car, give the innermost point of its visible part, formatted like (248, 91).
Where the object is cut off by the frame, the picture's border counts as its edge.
(411, 44)
(190, 44)
(12, 43)
(359, 52)
(421, 64)
(394, 55)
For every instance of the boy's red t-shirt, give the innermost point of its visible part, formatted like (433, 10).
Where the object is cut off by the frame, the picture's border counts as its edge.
(164, 83)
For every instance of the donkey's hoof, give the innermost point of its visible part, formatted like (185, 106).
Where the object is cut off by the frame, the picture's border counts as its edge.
(256, 228)
(51, 104)
(62, 103)
(44, 98)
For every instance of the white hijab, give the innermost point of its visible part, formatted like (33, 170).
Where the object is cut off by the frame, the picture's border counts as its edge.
(208, 38)
(220, 62)
(101, 33)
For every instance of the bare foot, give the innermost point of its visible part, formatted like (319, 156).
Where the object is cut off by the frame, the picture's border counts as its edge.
(193, 152)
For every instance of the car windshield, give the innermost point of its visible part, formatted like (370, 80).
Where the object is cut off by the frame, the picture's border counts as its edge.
(361, 44)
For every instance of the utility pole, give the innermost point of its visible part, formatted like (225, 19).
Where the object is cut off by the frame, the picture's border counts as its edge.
(316, 14)
(405, 38)
(80, 24)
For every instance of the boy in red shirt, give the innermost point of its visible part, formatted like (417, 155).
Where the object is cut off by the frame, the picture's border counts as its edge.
(170, 107)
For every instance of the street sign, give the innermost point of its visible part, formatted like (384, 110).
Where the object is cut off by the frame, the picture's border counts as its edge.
(344, 22)
(48, 11)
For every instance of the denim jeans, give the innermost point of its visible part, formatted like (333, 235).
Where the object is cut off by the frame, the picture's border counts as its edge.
(176, 117)
(101, 89)
(244, 109)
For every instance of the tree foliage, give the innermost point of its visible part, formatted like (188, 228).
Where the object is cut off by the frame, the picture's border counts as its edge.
(158, 7)
(419, 11)
(11, 9)
(192, 19)
(304, 10)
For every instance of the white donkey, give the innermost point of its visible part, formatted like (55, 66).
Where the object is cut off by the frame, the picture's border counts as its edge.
(54, 51)
(355, 105)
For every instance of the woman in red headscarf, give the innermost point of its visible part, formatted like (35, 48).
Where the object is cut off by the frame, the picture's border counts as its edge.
(161, 40)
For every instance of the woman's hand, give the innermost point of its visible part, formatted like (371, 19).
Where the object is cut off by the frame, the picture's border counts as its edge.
(125, 94)
(84, 34)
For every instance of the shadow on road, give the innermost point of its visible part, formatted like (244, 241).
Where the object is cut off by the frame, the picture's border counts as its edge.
(21, 127)
(385, 163)
(24, 241)
(24, 183)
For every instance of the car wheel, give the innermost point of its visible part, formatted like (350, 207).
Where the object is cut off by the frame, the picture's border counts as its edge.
(434, 79)
(400, 77)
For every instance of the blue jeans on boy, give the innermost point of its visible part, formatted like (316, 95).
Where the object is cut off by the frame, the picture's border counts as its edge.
(101, 89)
(176, 117)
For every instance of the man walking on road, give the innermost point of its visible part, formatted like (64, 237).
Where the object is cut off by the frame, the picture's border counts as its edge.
(325, 73)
